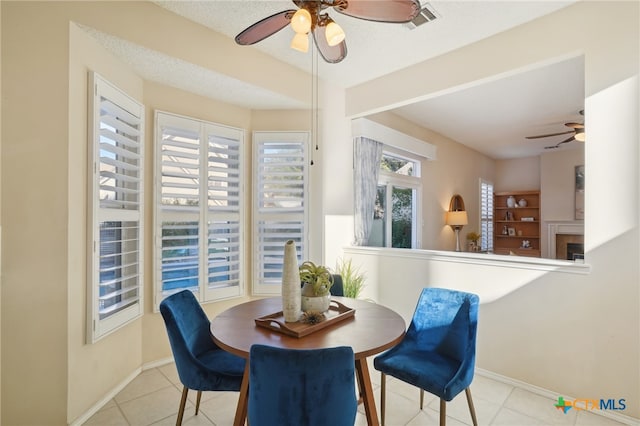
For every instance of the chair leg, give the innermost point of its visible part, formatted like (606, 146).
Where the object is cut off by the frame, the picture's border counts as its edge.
(421, 398)
(198, 401)
(383, 391)
(183, 402)
(443, 412)
(471, 409)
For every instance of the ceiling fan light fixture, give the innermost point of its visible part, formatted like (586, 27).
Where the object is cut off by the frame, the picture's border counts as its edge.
(301, 21)
(300, 42)
(580, 135)
(334, 33)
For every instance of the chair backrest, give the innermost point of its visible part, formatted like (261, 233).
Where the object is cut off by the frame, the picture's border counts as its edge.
(337, 289)
(309, 387)
(188, 329)
(446, 321)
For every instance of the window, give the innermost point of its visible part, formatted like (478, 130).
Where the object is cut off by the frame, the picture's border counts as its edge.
(486, 215)
(280, 204)
(395, 213)
(198, 209)
(116, 203)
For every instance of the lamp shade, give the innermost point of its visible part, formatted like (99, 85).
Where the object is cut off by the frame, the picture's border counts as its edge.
(457, 218)
(334, 34)
(300, 42)
(301, 21)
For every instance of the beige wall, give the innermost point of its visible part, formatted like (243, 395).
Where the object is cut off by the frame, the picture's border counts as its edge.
(456, 170)
(520, 174)
(43, 122)
(46, 60)
(0, 215)
(577, 335)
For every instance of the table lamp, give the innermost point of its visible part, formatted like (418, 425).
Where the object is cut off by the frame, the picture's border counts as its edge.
(457, 217)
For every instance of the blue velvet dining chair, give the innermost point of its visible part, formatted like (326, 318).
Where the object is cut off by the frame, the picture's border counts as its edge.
(311, 387)
(337, 289)
(437, 354)
(201, 364)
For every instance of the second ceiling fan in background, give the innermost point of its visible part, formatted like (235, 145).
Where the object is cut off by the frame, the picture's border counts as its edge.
(327, 35)
(577, 134)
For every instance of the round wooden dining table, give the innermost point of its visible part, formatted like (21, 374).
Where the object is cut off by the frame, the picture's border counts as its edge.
(370, 330)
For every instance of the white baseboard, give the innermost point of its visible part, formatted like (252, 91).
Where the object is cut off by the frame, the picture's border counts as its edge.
(108, 397)
(628, 420)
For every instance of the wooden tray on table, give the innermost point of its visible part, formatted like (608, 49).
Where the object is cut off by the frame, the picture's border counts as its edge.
(337, 312)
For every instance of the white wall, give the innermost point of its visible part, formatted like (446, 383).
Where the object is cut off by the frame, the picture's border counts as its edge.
(578, 335)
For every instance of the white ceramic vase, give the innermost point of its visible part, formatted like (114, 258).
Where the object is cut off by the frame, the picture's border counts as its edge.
(291, 294)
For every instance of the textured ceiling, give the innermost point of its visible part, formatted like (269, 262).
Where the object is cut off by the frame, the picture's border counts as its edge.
(533, 102)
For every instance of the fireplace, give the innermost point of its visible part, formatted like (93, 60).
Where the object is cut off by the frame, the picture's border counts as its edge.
(565, 240)
(575, 251)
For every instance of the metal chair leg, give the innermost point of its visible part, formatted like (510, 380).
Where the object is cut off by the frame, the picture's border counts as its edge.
(421, 398)
(198, 401)
(471, 409)
(383, 391)
(443, 412)
(183, 402)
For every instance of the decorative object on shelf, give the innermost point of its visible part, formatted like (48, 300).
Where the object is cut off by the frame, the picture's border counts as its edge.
(512, 225)
(457, 217)
(317, 281)
(291, 293)
(473, 238)
(522, 202)
(511, 202)
(526, 244)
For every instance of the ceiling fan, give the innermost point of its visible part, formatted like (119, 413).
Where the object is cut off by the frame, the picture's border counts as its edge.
(327, 35)
(577, 134)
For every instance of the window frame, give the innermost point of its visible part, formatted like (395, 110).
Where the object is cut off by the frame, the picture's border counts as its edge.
(486, 216)
(261, 285)
(413, 182)
(129, 146)
(203, 215)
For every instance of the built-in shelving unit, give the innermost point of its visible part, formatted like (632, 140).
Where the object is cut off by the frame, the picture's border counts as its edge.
(516, 225)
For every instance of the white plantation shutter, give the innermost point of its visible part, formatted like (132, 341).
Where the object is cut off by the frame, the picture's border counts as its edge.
(486, 215)
(280, 204)
(115, 232)
(198, 217)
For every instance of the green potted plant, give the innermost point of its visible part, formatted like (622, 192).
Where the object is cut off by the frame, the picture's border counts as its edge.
(352, 278)
(317, 281)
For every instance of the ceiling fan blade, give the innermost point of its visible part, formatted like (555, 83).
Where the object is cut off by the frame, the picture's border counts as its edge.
(331, 54)
(575, 125)
(550, 134)
(395, 11)
(560, 143)
(265, 28)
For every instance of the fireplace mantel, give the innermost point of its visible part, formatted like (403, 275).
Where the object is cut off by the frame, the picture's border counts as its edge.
(561, 228)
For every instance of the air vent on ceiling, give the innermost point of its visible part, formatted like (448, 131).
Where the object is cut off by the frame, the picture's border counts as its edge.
(427, 14)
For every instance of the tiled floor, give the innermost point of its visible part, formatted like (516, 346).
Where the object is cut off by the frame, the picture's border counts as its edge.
(153, 398)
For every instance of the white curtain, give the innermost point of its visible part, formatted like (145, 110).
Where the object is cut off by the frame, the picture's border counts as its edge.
(367, 155)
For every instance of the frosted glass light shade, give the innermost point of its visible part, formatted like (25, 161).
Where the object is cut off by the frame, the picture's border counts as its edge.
(300, 42)
(301, 21)
(334, 34)
(580, 135)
